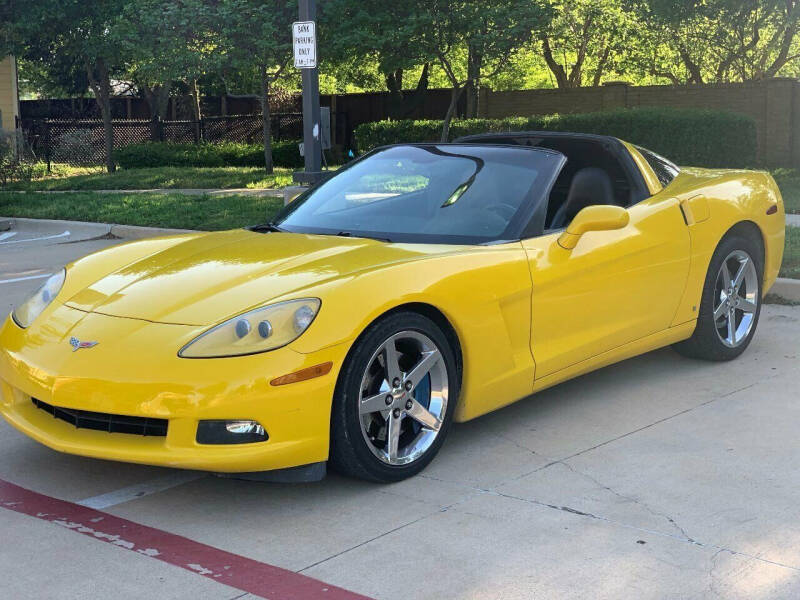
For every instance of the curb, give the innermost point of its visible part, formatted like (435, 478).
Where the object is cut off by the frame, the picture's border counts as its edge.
(788, 289)
(128, 232)
(135, 232)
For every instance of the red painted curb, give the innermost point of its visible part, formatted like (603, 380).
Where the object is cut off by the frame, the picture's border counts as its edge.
(218, 565)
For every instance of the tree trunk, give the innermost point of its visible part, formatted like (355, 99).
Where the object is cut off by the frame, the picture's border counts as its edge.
(100, 83)
(157, 98)
(601, 66)
(265, 120)
(561, 75)
(472, 89)
(451, 110)
(394, 83)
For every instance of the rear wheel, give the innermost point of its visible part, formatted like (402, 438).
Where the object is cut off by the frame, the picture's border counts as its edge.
(395, 399)
(731, 301)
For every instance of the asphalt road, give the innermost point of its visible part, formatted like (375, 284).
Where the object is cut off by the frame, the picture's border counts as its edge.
(659, 477)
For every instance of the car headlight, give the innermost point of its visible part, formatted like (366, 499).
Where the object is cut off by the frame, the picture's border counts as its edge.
(259, 330)
(25, 314)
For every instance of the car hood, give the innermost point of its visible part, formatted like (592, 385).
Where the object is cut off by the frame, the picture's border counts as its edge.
(208, 278)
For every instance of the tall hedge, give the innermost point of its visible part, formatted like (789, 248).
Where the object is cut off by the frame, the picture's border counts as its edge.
(227, 154)
(696, 137)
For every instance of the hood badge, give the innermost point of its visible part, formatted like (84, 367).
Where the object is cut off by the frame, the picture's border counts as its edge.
(79, 345)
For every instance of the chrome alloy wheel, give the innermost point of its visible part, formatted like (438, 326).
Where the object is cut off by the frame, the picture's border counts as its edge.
(403, 398)
(736, 298)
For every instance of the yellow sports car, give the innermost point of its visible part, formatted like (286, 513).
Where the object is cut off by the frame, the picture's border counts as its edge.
(423, 283)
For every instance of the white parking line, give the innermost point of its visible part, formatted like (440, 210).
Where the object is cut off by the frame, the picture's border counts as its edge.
(39, 239)
(142, 489)
(25, 278)
(6, 235)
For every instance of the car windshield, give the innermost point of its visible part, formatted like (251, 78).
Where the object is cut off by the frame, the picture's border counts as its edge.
(446, 193)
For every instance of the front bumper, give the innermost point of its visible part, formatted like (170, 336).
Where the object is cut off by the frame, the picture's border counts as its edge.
(135, 371)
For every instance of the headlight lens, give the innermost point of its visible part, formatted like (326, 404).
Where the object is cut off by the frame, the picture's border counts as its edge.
(259, 330)
(25, 314)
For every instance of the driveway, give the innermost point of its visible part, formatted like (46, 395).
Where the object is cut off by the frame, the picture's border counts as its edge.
(660, 477)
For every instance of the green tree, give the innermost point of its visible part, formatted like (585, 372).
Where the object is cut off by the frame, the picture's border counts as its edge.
(371, 43)
(702, 41)
(472, 40)
(585, 40)
(165, 42)
(74, 31)
(255, 34)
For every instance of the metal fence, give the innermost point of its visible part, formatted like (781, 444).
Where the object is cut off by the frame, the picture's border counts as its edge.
(81, 142)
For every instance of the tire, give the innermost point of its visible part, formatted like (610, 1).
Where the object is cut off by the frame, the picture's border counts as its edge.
(370, 410)
(712, 338)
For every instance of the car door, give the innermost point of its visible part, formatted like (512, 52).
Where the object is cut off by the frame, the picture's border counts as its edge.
(613, 288)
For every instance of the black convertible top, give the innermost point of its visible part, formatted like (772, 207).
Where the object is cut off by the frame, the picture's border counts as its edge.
(611, 144)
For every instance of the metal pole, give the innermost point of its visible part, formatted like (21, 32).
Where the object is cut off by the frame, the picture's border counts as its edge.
(311, 114)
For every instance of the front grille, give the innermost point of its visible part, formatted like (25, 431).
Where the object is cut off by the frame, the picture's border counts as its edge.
(84, 419)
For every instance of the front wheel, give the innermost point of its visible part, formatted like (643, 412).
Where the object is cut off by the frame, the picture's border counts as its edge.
(395, 399)
(731, 302)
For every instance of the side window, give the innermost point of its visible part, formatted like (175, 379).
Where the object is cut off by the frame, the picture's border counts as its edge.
(665, 170)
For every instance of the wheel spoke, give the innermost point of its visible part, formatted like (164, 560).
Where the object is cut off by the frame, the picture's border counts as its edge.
(373, 404)
(746, 305)
(720, 311)
(739, 278)
(423, 367)
(726, 276)
(393, 435)
(391, 361)
(421, 414)
(732, 327)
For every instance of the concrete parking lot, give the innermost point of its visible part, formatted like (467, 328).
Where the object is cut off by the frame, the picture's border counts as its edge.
(659, 477)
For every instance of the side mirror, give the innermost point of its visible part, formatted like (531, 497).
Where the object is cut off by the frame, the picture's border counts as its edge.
(600, 217)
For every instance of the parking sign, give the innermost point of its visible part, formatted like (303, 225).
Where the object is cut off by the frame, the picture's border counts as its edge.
(304, 41)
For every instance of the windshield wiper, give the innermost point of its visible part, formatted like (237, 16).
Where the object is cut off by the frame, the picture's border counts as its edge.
(268, 227)
(368, 237)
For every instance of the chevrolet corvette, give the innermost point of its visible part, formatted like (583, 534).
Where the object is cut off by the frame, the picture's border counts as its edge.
(422, 284)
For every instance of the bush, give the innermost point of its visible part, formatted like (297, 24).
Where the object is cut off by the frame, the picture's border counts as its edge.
(15, 163)
(227, 154)
(697, 137)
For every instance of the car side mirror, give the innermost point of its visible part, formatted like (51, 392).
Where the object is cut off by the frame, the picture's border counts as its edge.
(600, 217)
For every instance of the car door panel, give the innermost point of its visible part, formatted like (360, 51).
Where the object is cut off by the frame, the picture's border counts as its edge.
(613, 288)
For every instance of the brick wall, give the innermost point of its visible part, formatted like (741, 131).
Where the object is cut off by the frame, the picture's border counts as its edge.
(773, 104)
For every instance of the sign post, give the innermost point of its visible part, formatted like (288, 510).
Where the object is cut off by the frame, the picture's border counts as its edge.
(304, 42)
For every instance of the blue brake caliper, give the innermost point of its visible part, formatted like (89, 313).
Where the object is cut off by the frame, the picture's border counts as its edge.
(422, 394)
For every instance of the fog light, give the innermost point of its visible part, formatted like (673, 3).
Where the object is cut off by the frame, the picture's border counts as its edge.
(230, 432)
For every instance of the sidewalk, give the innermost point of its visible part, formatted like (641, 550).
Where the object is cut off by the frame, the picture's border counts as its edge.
(793, 220)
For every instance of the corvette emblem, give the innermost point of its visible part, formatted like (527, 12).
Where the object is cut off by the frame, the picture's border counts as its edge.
(79, 345)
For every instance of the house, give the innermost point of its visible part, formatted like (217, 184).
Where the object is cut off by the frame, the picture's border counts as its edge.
(9, 94)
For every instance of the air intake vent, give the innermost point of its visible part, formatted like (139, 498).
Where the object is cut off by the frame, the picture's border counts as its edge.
(84, 419)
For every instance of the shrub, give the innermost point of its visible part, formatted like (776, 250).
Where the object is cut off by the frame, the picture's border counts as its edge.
(15, 161)
(227, 154)
(697, 137)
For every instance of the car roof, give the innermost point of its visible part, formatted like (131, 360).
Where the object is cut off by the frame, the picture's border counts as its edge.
(470, 143)
(536, 134)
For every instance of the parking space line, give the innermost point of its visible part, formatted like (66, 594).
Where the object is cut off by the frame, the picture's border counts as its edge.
(39, 239)
(140, 490)
(233, 570)
(26, 278)
(6, 235)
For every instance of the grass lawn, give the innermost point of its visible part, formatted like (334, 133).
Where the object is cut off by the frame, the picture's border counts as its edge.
(789, 182)
(94, 178)
(791, 254)
(177, 211)
(203, 212)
